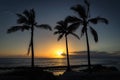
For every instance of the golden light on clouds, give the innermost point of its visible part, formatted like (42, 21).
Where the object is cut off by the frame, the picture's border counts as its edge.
(50, 51)
(56, 53)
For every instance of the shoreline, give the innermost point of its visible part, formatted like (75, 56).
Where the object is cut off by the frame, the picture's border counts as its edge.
(48, 67)
(57, 69)
(99, 73)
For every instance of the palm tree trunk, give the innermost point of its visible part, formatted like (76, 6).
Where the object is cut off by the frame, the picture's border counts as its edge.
(88, 51)
(32, 48)
(68, 62)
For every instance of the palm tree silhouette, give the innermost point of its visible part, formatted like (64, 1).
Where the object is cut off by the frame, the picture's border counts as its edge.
(85, 20)
(64, 29)
(26, 21)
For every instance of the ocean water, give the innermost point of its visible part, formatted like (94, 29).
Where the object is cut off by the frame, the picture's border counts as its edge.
(45, 62)
(16, 62)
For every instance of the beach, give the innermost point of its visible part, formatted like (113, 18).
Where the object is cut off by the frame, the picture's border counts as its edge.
(44, 73)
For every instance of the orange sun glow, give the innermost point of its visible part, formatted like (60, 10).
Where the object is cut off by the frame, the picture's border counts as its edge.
(59, 53)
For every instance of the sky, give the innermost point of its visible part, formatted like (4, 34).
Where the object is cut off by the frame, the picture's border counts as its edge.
(50, 12)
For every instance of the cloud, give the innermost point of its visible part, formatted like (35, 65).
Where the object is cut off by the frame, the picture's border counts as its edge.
(94, 54)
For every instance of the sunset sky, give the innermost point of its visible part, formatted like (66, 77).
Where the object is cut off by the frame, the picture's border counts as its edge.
(50, 12)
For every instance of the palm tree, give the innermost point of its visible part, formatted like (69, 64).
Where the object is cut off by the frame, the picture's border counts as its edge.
(26, 21)
(85, 20)
(64, 29)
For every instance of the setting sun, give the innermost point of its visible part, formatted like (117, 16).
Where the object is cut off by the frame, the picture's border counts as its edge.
(59, 53)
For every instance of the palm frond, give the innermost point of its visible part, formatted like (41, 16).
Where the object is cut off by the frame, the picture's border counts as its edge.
(60, 28)
(87, 3)
(72, 19)
(88, 7)
(16, 28)
(75, 35)
(32, 13)
(80, 10)
(60, 36)
(13, 29)
(44, 26)
(20, 15)
(26, 13)
(21, 19)
(94, 33)
(62, 23)
(58, 32)
(25, 27)
(30, 44)
(83, 30)
(73, 27)
(30, 16)
(98, 19)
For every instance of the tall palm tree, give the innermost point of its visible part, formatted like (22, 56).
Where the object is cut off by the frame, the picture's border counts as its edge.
(27, 21)
(64, 29)
(85, 20)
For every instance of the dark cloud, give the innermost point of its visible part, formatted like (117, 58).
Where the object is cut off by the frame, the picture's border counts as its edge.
(94, 54)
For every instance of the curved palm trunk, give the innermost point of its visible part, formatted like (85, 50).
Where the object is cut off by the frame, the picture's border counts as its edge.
(88, 51)
(68, 62)
(32, 47)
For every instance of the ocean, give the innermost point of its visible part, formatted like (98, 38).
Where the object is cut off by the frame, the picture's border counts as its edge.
(49, 62)
(46, 62)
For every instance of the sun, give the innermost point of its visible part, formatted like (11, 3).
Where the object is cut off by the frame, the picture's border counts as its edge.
(59, 53)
